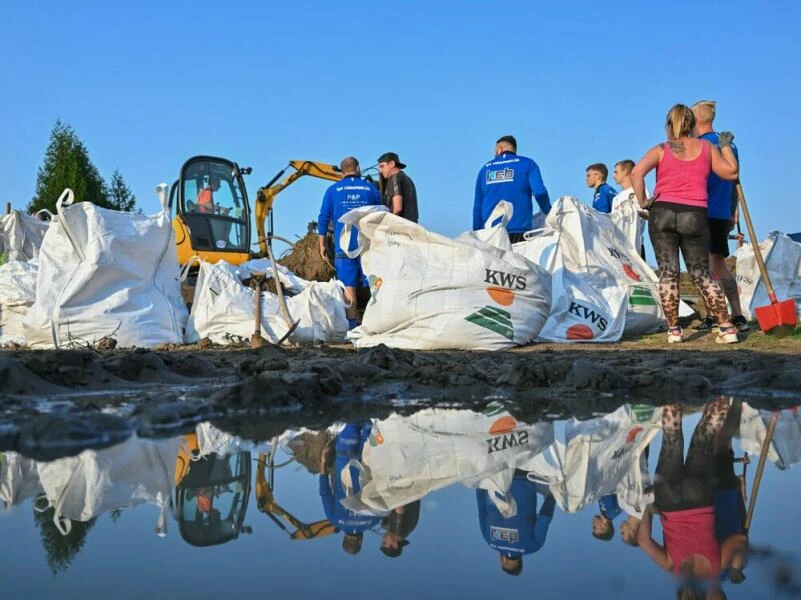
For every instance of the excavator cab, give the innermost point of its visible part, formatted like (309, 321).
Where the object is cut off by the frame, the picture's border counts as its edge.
(212, 212)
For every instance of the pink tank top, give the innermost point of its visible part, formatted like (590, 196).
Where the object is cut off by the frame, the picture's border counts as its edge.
(688, 532)
(683, 181)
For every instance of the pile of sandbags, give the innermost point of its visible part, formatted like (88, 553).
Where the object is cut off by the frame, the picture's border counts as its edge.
(433, 292)
(223, 308)
(782, 258)
(105, 273)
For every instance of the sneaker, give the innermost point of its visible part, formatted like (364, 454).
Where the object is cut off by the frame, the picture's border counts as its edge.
(727, 335)
(675, 335)
(740, 323)
(705, 324)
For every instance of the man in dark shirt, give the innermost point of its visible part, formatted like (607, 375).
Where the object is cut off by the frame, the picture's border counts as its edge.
(398, 192)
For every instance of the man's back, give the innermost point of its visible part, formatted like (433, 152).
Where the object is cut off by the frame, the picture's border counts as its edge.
(719, 190)
(400, 184)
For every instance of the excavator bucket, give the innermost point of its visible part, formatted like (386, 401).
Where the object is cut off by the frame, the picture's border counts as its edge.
(314, 530)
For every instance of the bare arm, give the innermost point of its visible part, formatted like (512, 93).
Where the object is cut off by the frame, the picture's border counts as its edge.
(641, 169)
(323, 250)
(397, 205)
(724, 163)
(733, 550)
(644, 538)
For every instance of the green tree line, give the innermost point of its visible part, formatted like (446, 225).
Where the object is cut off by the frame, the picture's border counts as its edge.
(67, 165)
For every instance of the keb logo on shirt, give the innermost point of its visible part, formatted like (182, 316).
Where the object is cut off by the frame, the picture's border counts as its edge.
(500, 176)
(504, 534)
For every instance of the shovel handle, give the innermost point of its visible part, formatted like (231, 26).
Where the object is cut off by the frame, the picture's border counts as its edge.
(763, 455)
(763, 270)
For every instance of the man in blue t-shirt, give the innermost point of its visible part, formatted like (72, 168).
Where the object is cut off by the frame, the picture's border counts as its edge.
(524, 533)
(722, 216)
(513, 178)
(603, 526)
(604, 193)
(350, 192)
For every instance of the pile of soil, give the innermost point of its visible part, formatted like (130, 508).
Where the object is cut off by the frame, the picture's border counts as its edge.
(305, 261)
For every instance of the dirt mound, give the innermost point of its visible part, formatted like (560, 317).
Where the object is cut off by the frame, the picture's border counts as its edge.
(305, 261)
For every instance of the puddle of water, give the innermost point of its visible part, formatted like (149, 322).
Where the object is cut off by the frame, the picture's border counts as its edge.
(438, 503)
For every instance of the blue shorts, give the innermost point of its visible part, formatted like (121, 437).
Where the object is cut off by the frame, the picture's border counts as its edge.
(349, 271)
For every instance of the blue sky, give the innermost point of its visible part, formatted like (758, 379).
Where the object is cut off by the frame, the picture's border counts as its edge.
(147, 85)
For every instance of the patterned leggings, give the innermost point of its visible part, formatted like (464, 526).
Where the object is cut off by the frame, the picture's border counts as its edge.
(673, 226)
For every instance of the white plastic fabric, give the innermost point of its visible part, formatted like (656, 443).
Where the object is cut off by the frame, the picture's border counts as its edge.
(597, 456)
(782, 258)
(21, 236)
(19, 479)
(223, 309)
(785, 448)
(106, 273)
(432, 292)
(625, 216)
(583, 241)
(17, 294)
(409, 457)
(97, 481)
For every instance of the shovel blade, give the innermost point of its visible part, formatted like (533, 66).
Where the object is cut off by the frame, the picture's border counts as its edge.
(777, 315)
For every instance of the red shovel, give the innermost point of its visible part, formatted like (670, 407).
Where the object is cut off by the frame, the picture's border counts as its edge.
(778, 318)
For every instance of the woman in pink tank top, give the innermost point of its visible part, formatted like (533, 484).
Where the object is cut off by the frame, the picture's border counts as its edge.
(677, 215)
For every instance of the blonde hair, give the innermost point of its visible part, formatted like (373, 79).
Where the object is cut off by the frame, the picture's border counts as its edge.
(705, 110)
(680, 122)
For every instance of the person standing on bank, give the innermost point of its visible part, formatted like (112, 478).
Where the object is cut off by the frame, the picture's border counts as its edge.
(622, 177)
(596, 179)
(397, 188)
(513, 178)
(677, 215)
(350, 192)
(722, 216)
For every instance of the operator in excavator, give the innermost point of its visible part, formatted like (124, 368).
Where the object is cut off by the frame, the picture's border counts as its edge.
(350, 192)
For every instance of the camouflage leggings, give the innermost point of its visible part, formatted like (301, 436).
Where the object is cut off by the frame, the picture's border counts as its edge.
(674, 226)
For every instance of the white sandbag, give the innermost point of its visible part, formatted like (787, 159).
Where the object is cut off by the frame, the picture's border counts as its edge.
(597, 455)
(106, 273)
(782, 258)
(135, 472)
(433, 292)
(21, 236)
(625, 215)
(785, 449)
(223, 309)
(409, 457)
(19, 479)
(17, 294)
(292, 283)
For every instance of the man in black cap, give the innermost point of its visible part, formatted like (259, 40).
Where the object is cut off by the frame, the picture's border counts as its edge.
(399, 524)
(397, 188)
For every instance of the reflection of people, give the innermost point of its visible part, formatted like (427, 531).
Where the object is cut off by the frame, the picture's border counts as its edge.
(603, 192)
(339, 479)
(513, 178)
(603, 525)
(685, 499)
(205, 198)
(398, 525)
(520, 534)
(399, 192)
(677, 215)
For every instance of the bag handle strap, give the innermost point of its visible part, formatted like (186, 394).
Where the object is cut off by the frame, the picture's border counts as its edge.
(503, 210)
(66, 198)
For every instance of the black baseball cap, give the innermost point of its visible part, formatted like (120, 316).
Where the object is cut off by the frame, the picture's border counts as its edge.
(391, 156)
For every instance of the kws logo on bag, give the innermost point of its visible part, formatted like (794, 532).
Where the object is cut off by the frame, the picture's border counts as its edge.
(503, 435)
(582, 331)
(627, 268)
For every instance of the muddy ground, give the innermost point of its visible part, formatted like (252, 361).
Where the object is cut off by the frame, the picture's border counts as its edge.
(55, 399)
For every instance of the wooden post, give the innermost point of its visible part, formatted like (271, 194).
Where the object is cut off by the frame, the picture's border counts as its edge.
(8, 208)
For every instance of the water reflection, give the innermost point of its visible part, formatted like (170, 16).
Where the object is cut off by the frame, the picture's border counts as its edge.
(372, 477)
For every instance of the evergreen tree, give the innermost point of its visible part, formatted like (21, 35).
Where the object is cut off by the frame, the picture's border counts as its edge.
(67, 165)
(60, 549)
(120, 195)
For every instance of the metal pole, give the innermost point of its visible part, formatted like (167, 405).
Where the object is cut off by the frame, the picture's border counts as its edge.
(763, 455)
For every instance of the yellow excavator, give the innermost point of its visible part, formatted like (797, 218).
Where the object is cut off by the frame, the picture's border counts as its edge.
(212, 211)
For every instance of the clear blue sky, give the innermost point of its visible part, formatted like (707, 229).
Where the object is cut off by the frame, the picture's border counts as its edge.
(148, 84)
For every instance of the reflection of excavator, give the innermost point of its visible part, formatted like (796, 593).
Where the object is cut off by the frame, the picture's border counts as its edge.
(211, 209)
(266, 503)
(211, 494)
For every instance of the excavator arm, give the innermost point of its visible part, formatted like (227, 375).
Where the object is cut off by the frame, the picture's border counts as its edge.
(265, 196)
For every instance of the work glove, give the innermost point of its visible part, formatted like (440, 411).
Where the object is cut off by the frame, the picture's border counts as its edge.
(725, 139)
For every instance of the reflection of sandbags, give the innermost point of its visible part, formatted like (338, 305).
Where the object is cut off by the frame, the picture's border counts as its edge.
(17, 294)
(19, 478)
(21, 236)
(783, 259)
(106, 273)
(785, 449)
(433, 292)
(211, 440)
(597, 455)
(223, 308)
(97, 481)
(409, 457)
